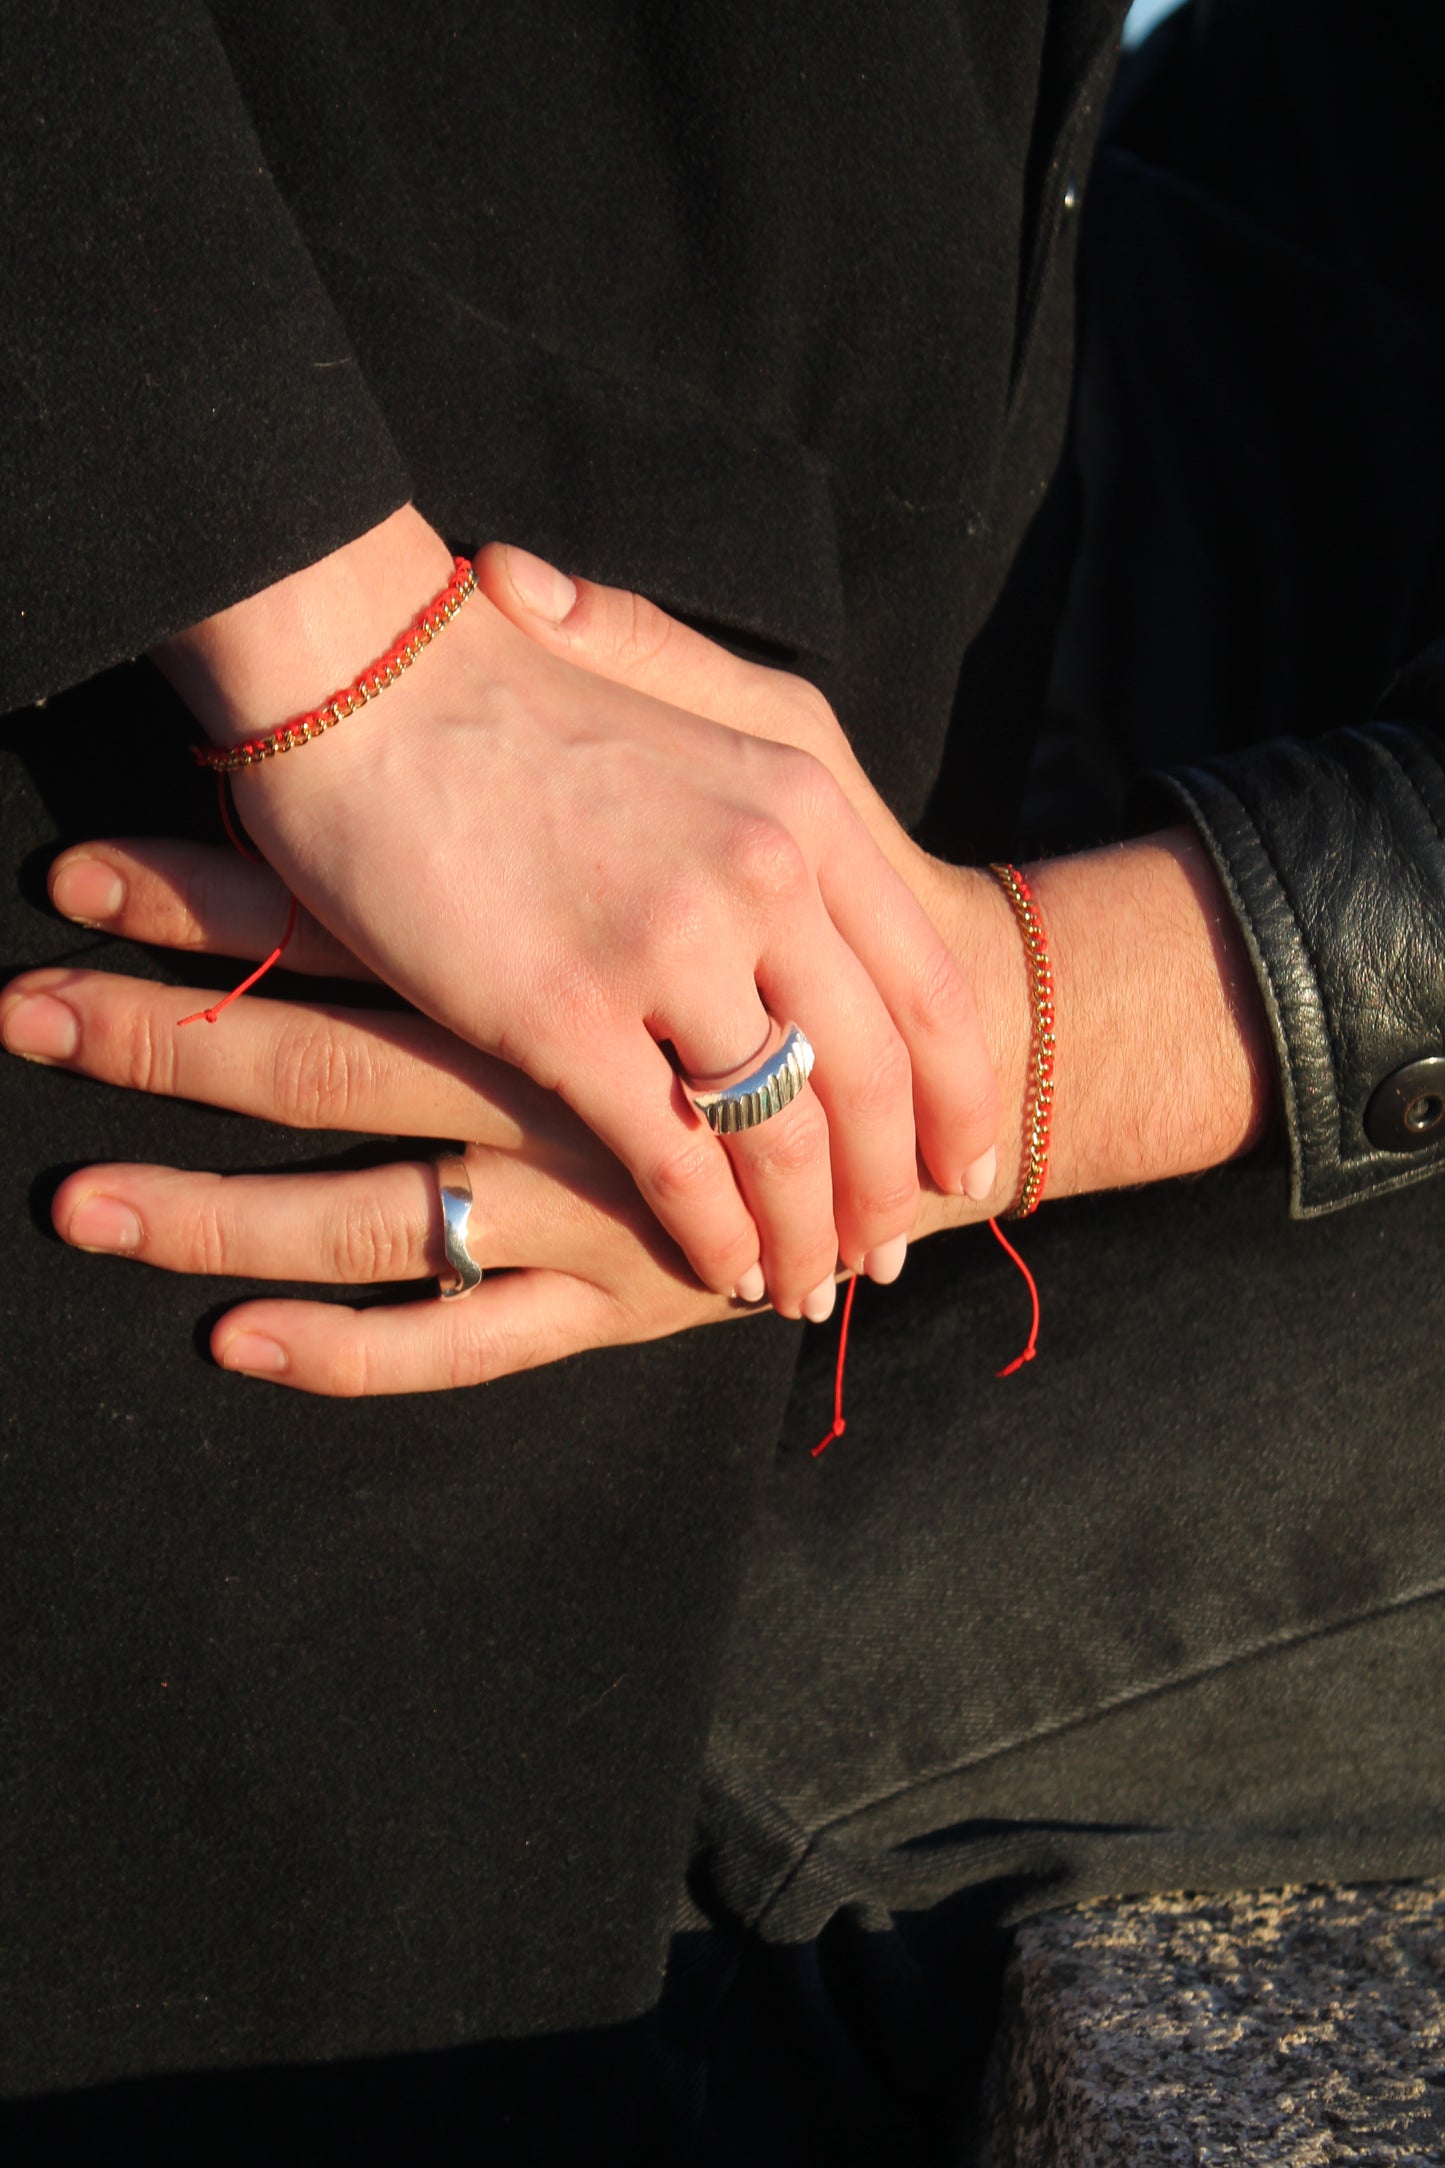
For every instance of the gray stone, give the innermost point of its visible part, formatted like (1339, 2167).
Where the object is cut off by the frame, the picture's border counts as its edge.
(1301, 2026)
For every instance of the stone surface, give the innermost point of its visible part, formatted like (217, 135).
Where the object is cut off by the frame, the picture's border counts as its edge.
(1301, 2026)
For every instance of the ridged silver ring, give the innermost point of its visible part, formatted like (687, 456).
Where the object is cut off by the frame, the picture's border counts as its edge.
(773, 1085)
(455, 1186)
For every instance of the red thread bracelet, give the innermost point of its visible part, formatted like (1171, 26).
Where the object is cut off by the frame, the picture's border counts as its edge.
(1038, 1126)
(230, 759)
(224, 760)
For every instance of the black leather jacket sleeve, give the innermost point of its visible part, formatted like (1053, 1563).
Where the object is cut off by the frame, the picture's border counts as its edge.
(1332, 856)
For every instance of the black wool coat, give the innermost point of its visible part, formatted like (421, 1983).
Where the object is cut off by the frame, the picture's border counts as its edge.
(335, 1730)
(368, 1727)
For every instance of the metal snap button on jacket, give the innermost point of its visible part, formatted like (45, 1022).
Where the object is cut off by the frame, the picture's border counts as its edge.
(1408, 1109)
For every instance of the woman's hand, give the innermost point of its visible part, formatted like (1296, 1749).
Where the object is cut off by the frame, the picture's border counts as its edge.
(573, 874)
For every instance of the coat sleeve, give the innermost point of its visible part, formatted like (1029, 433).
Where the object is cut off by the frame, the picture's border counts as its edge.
(181, 418)
(1331, 853)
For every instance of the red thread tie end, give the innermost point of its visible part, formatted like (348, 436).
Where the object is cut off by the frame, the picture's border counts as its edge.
(1031, 1349)
(211, 1016)
(839, 1426)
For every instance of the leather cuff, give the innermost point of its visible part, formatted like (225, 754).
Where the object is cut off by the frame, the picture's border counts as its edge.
(1332, 855)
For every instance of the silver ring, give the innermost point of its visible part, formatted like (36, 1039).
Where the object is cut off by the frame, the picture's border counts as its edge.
(773, 1085)
(455, 1185)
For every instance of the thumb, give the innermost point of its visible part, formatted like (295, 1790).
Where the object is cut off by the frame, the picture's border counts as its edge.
(624, 637)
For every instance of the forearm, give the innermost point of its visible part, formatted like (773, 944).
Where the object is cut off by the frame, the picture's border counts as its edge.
(1164, 1063)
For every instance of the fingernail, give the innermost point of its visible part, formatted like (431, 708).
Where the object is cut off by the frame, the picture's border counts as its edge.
(89, 890)
(103, 1223)
(752, 1286)
(884, 1264)
(253, 1353)
(41, 1028)
(540, 585)
(978, 1180)
(818, 1307)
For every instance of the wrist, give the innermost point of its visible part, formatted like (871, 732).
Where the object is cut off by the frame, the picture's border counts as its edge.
(1165, 1065)
(1172, 1070)
(286, 649)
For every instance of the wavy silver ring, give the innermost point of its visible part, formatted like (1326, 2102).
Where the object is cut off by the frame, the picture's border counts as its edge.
(756, 1098)
(455, 1185)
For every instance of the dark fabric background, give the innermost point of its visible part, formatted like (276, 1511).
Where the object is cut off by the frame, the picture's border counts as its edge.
(346, 1729)
(450, 1680)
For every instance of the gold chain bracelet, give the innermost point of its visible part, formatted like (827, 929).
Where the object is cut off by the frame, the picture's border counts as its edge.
(384, 672)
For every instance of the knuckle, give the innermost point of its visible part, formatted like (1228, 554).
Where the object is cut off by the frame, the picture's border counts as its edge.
(470, 1360)
(883, 1090)
(766, 859)
(681, 1184)
(812, 790)
(207, 1234)
(686, 1174)
(721, 1263)
(642, 631)
(146, 1051)
(814, 710)
(319, 1078)
(940, 1005)
(368, 1243)
(893, 1205)
(793, 1145)
(796, 1266)
(796, 780)
(349, 1371)
(810, 1264)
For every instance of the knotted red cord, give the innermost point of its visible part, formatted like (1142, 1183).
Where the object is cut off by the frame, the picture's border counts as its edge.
(1033, 1347)
(210, 1015)
(1027, 1356)
(839, 1426)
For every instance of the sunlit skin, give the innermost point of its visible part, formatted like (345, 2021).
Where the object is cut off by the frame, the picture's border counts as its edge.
(1164, 1067)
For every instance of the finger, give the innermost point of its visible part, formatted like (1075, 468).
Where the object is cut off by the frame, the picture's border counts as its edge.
(346, 1228)
(781, 1166)
(863, 1082)
(642, 1114)
(611, 631)
(311, 1066)
(955, 1090)
(192, 896)
(622, 636)
(517, 1321)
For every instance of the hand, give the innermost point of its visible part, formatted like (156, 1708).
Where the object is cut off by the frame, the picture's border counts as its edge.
(1152, 978)
(571, 873)
(586, 1263)
(1142, 955)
